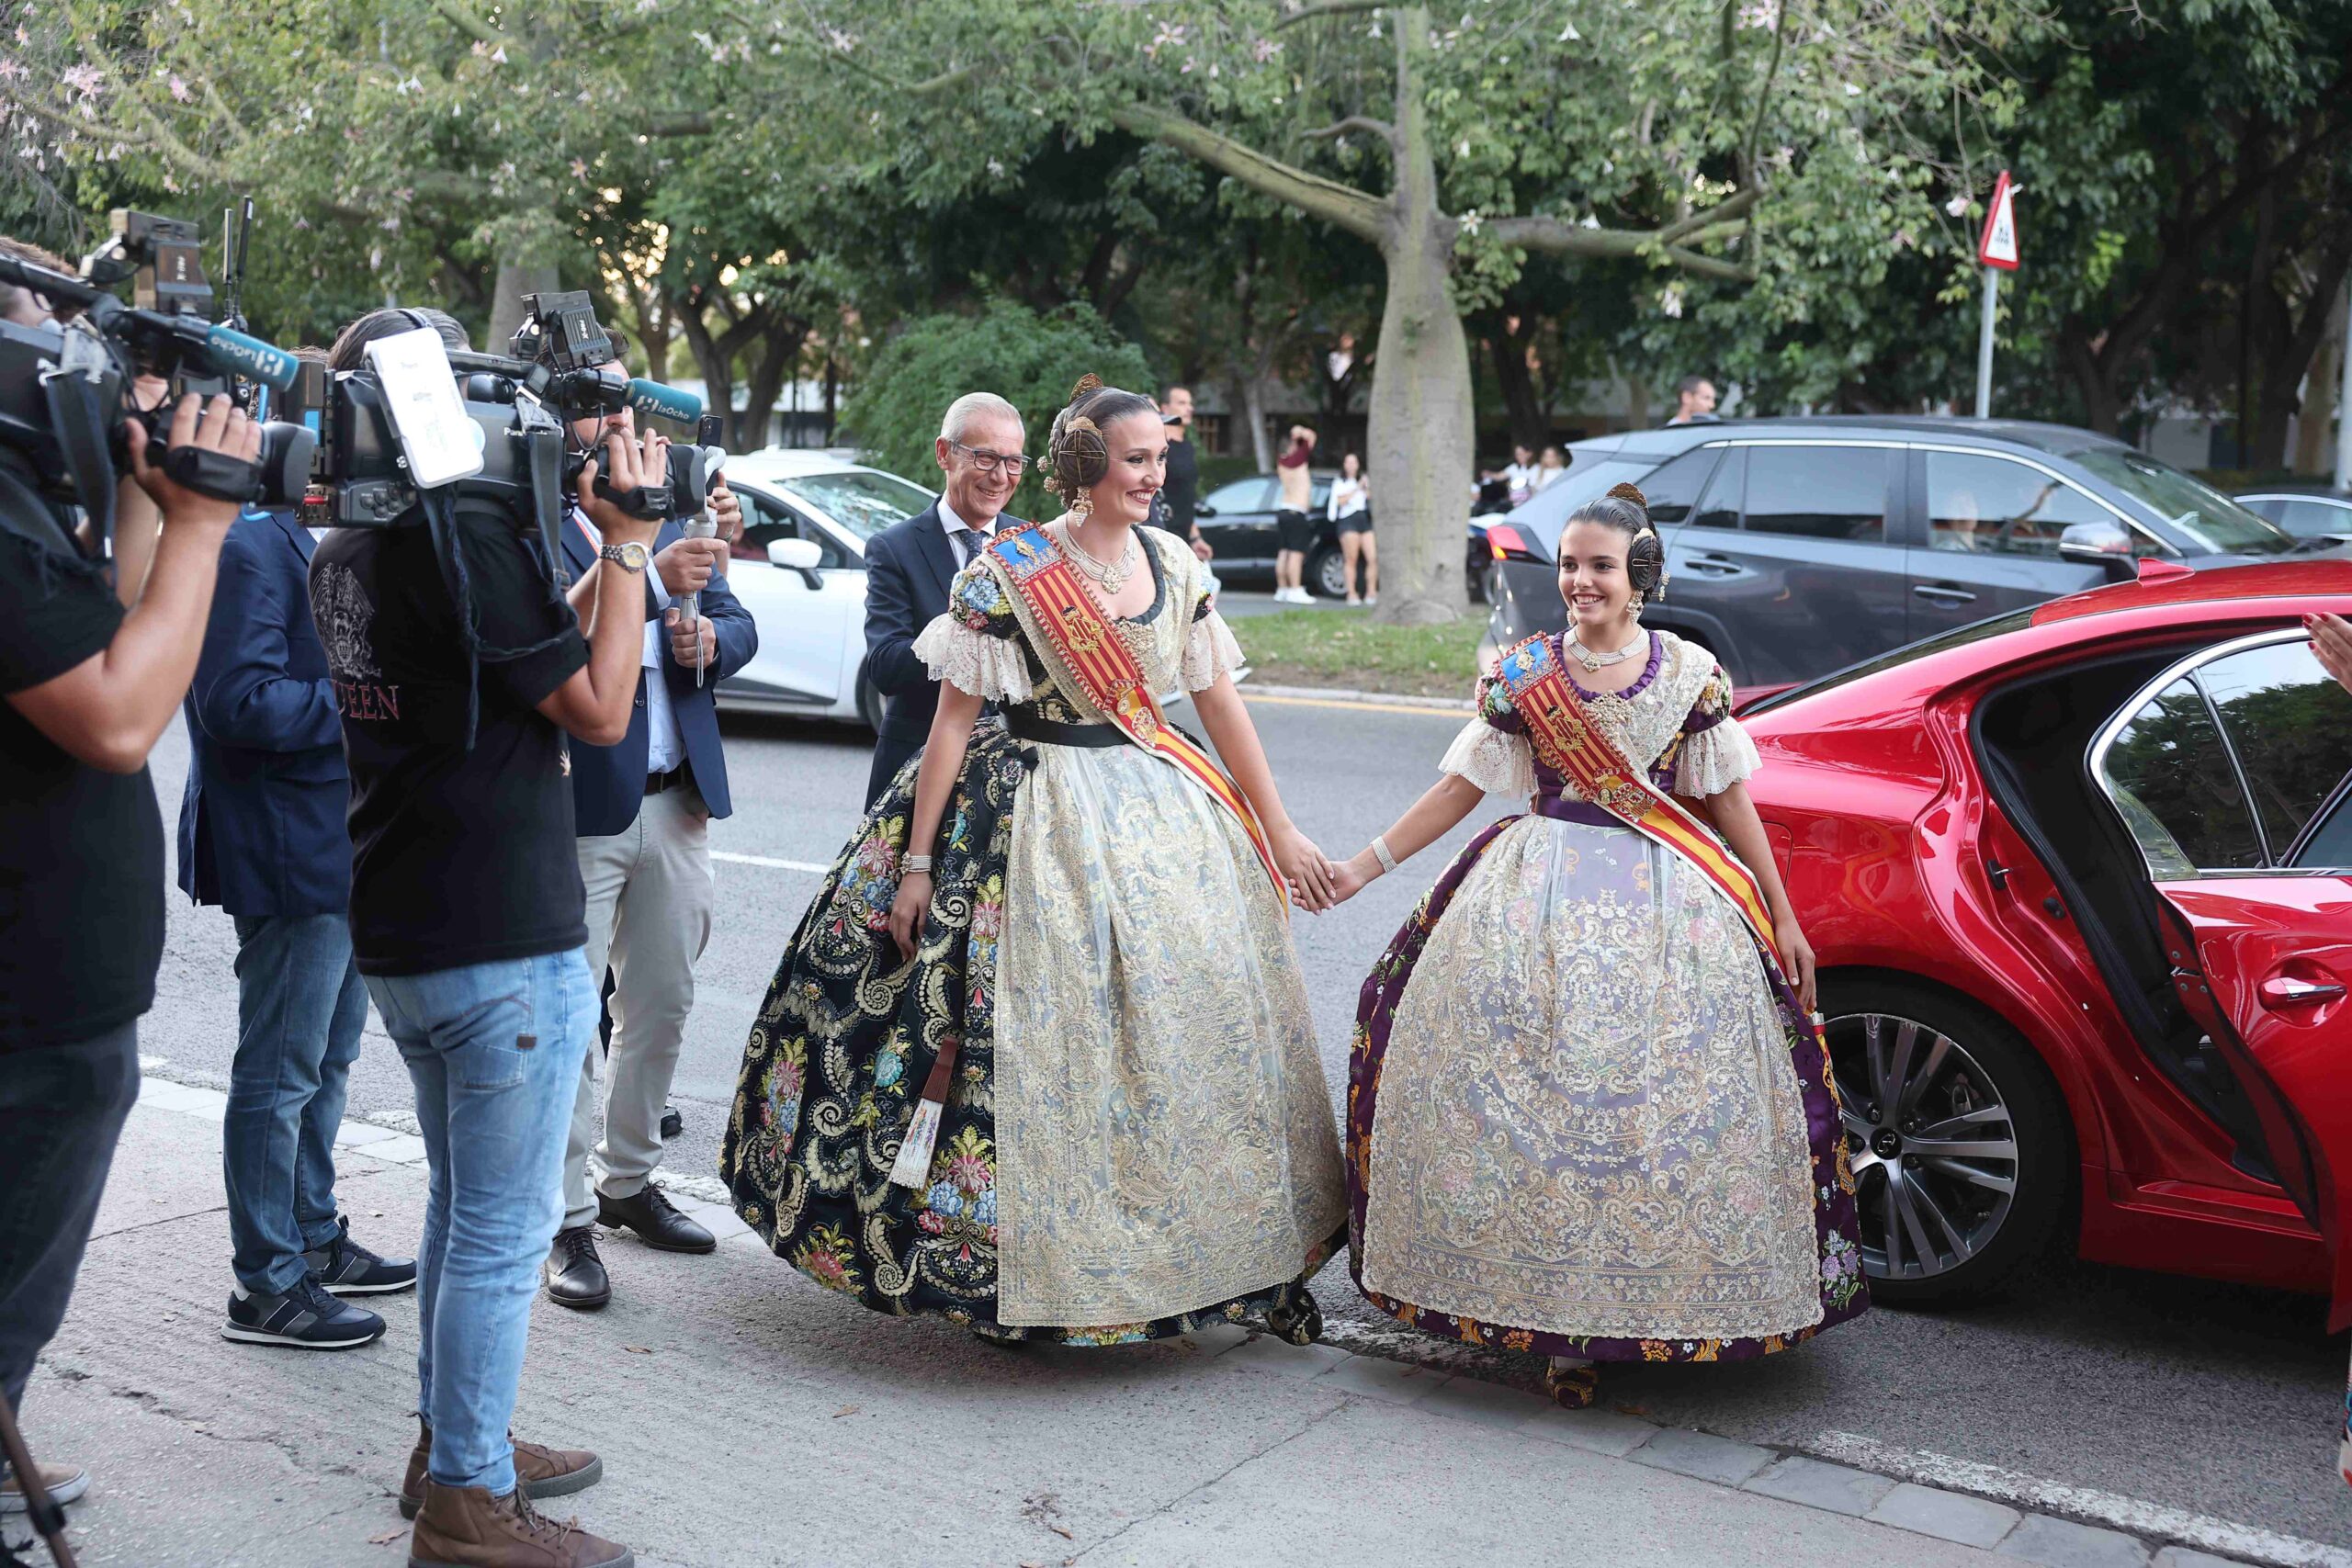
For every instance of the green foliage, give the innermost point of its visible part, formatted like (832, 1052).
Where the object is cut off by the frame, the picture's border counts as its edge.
(1335, 648)
(1029, 359)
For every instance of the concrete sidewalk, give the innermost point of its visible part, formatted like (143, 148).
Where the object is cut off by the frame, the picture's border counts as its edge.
(745, 1416)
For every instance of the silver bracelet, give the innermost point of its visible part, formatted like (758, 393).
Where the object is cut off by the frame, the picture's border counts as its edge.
(913, 864)
(1380, 852)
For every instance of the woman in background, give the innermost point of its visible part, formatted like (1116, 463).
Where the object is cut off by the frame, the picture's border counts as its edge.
(1351, 510)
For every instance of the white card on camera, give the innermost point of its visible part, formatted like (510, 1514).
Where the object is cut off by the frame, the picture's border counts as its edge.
(436, 436)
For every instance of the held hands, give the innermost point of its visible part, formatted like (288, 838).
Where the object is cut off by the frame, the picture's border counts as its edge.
(694, 643)
(1351, 876)
(906, 911)
(635, 461)
(688, 565)
(226, 429)
(1304, 867)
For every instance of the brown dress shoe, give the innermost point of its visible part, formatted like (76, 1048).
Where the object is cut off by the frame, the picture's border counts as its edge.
(465, 1527)
(540, 1472)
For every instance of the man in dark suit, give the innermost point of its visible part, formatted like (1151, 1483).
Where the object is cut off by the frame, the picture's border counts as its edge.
(261, 836)
(643, 811)
(909, 565)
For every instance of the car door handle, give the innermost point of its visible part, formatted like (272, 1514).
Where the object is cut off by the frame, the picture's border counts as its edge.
(1941, 594)
(2282, 991)
(1711, 566)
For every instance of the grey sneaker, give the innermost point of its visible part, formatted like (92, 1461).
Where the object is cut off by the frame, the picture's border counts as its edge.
(305, 1317)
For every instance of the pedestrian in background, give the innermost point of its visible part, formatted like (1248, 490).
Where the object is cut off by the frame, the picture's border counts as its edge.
(1181, 497)
(1694, 401)
(1351, 510)
(643, 809)
(909, 565)
(262, 836)
(1293, 536)
(1549, 467)
(1519, 474)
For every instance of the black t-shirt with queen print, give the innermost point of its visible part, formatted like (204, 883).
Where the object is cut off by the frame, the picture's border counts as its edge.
(458, 856)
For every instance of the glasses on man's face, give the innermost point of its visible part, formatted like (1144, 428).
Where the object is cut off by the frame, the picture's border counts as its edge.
(993, 462)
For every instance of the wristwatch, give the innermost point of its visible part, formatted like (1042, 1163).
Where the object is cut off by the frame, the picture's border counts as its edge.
(630, 557)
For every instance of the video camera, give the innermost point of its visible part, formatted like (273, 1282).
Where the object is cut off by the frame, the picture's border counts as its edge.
(63, 398)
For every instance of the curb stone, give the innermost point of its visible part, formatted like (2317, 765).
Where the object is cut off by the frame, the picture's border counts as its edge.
(1349, 694)
(1796, 1478)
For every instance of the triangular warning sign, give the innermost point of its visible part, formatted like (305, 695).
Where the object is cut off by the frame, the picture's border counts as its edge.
(1999, 247)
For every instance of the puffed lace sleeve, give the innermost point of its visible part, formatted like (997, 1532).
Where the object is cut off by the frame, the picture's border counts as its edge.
(1717, 752)
(975, 645)
(1209, 647)
(1492, 751)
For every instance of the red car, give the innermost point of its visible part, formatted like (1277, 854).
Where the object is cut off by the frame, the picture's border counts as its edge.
(2080, 884)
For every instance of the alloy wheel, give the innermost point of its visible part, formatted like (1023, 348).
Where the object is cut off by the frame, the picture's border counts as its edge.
(1932, 1142)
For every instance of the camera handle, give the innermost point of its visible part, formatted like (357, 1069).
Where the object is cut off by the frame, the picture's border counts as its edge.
(46, 1516)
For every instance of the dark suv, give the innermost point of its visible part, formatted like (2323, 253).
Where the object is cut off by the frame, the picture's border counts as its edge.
(1797, 547)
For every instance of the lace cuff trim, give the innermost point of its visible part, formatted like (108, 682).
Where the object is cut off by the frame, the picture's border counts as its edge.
(986, 667)
(1495, 759)
(1714, 759)
(1209, 652)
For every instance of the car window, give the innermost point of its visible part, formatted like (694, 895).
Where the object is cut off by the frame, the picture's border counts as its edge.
(2291, 726)
(1719, 506)
(1545, 515)
(1674, 489)
(1959, 637)
(1243, 495)
(2310, 519)
(1991, 505)
(764, 520)
(1819, 492)
(863, 503)
(2271, 506)
(2191, 505)
(2170, 777)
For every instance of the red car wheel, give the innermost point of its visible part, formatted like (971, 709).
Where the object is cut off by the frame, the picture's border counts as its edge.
(1963, 1161)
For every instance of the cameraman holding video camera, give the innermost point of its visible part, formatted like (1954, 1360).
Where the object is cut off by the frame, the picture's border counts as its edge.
(89, 686)
(468, 923)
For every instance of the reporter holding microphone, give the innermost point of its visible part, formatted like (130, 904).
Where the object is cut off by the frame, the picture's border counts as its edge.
(90, 684)
(466, 922)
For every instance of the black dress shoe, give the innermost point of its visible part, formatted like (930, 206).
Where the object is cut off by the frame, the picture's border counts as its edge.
(656, 1221)
(574, 1276)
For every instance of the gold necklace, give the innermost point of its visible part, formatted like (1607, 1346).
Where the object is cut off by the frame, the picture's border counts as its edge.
(1111, 575)
(1593, 661)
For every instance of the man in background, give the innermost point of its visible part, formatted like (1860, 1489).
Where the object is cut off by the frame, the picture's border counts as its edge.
(1181, 496)
(1294, 536)
(261, 836)
(909, 565)
(1694, 401)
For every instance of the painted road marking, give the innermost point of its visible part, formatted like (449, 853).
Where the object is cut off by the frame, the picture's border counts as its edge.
(2160, 1521)
(1248, 695)
(769, 862)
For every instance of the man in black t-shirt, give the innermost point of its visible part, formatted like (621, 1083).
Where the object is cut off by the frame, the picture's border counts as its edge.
(1181, 495)
(88, 687)
(468, 924)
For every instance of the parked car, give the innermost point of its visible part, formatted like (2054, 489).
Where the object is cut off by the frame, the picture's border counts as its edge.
(811, 613)
(1795, 547)
(2079, 881)
(1238, 520)
(2317, 516)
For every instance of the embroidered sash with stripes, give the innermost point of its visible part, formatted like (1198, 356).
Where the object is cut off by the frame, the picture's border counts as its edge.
(1567, 739)
(1088, 658)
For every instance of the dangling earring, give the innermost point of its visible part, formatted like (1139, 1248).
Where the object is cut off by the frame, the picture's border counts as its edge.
(1082, 506)
(1633, 609)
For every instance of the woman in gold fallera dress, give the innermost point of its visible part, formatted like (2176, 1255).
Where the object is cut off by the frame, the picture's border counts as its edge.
(1039, 1057)
(1589, 1114)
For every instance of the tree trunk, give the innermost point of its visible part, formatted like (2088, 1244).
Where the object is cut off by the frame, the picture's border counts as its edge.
(778, 353)
(2315, 442)
(1253, 413)
(1523, 410)
(516, 278)
(718, 374)
(1423, 437)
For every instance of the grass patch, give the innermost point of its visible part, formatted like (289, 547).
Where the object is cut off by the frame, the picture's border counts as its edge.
(1350, 651)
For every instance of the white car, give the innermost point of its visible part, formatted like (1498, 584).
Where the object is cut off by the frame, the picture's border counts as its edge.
(800, 571)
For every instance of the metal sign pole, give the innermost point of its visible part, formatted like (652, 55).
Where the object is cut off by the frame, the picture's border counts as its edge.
(1984, 345)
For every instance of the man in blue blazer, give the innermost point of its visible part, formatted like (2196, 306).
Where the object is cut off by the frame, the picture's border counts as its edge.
(644, 809)
(910, 566)
(261, 836)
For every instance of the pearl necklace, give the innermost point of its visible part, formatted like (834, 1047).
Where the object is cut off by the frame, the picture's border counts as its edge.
(1111, 575)
(1592, 661)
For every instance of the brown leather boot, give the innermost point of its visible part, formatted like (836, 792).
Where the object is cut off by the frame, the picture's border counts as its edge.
(465, 1527)
(540, 1472)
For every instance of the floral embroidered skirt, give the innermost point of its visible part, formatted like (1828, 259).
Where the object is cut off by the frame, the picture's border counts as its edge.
(1157, 1152)
(1584, 1121)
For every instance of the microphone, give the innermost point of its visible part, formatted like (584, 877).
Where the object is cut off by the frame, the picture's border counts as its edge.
(650, 397)
(701, 524)
(252, 358)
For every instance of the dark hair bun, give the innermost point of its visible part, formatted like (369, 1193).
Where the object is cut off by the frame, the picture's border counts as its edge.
(1627, 510)
(1633, 494)
(1086, 384)
(1078, 452)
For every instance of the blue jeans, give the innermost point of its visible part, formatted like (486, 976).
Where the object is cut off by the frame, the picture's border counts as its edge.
(494, 1051)
(300, 1008)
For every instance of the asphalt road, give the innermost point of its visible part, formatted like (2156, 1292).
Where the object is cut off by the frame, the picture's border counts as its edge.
(2183, 1393)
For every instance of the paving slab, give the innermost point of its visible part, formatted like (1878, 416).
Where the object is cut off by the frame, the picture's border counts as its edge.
(1819, 1485)
(2189, 1557)
(1971, 1521)
(2060, 1543)
(1377, 1377)
(1487, 1403)
(1263, 1352)
(1601, 1431)
(1702, 1454)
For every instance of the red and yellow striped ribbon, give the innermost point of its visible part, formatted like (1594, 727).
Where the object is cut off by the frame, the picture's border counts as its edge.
(1089, 647)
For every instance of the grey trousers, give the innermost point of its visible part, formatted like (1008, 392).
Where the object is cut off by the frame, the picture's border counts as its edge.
(649, 898)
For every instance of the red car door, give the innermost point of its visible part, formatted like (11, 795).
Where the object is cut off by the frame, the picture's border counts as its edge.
(2264, 964)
